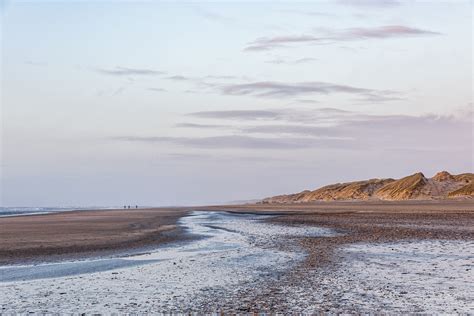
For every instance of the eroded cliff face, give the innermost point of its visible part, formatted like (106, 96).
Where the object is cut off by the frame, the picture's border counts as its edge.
(414, 187)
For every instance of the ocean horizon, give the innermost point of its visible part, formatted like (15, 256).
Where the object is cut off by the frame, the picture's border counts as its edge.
(34, 210)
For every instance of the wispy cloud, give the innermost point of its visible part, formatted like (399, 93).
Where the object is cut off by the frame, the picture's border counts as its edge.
(335, 128)
(275, 89)
(203, 79)
(237, 114)
(289, 115)
(203, 126)
(124, 71)
(157, 89)
(272, 129)
(322, 116)
(307, 130)
(378, 98)
(244, 142)
(307, 101)
(179, 78)
(324, 128)
(332, 36)
(268, 43)
(381, 32)
(281, 61)
(284, 121)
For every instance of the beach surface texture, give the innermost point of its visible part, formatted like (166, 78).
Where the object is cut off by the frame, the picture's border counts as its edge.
(326, 257)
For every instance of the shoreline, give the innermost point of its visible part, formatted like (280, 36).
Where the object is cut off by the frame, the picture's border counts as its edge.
(294, 262)
(98, 233)
(31, 211)
(82, 234)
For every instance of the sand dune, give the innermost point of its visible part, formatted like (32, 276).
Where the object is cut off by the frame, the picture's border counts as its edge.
(414, 187)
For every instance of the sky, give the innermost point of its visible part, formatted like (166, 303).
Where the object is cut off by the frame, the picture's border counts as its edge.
(158, 103)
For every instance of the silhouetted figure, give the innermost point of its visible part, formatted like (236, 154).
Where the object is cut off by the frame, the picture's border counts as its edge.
(129, 206)
(125, 206)
(136, 206)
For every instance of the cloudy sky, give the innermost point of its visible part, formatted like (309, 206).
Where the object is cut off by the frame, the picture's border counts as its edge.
(174, 103)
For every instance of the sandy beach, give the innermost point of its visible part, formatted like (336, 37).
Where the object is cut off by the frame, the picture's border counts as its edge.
(237, 158)
(75, 234)
(349, 257)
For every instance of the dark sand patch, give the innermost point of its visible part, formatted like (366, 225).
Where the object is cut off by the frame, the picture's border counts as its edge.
(73, 234)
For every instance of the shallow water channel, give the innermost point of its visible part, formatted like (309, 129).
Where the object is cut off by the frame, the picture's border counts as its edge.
(216, 231)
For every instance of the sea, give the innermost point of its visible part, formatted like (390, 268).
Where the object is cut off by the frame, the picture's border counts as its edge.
(28, 210)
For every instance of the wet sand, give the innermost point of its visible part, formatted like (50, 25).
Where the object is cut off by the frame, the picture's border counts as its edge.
(74, 234)
(370, 221)
(376, 221)
(191, 277)
(334, 266)
(395, 257)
